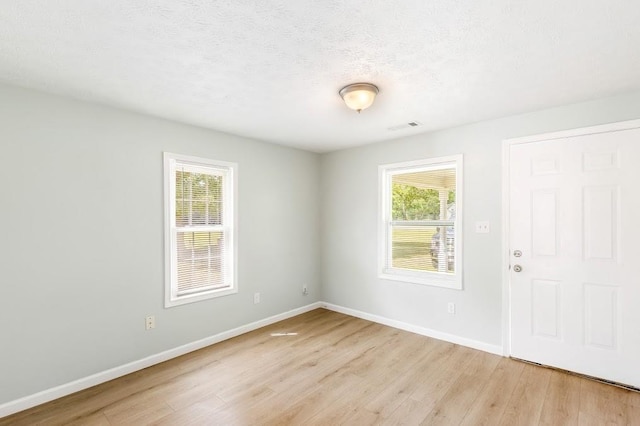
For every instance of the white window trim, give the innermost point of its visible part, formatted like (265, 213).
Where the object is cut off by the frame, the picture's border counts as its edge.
(230, 197)
(385, 171)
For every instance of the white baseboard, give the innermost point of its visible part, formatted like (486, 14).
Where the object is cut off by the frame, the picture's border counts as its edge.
(42, 397)
(21, 404)
(486, 347)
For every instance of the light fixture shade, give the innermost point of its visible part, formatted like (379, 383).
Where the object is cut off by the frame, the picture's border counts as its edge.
(359, 96)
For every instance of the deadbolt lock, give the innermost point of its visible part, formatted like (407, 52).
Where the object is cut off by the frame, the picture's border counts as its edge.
(517, 253)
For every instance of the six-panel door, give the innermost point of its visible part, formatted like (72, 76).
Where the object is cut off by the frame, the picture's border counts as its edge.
(575, 216)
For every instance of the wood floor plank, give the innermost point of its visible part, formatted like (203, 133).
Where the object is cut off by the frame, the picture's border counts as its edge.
(361, 416)
(489, 407)
(409, 412)
(322, 368)
(415, 368)
(271, 408)
(599, 404)
(437, 381)
(201, 389)
(96, 419)
(433, 377)
(632, 415)
(526, 401)
(334, 388)
(194, 415)
(278, 367)
(562, 404)
(142, 407)
(458, 400)
(632, 398)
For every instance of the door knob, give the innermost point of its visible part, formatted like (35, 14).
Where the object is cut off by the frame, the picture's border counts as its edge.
(517, 268)
(517, 253)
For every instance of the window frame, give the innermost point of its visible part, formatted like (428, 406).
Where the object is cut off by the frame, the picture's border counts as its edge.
(229, 226)
(385, 270)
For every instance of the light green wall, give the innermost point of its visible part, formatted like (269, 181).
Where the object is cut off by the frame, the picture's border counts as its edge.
(81, 252)
(350, 214)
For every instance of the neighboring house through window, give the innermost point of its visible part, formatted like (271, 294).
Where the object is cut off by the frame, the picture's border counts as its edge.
(200, 236)
(421, 233)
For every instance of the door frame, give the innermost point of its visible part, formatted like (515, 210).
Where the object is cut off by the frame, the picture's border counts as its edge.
(506, 161)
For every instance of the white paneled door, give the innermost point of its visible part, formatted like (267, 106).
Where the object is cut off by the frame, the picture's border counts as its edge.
(574, 235)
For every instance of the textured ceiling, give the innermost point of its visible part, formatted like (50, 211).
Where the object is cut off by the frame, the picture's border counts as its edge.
(271, 69)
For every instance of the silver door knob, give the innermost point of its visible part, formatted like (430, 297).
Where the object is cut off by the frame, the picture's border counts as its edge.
(517, 268)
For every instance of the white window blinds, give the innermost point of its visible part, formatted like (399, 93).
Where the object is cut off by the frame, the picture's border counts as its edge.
(199, 227)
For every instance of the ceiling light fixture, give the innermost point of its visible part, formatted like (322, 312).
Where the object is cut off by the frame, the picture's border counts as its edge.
(359, 96)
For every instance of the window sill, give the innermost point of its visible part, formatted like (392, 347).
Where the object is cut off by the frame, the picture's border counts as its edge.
(430, 279)
(197, 297)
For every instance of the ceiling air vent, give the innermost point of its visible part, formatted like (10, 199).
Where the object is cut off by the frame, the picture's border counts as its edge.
(405, 126)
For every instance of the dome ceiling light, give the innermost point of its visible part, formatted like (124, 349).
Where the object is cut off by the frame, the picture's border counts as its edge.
(359, 96)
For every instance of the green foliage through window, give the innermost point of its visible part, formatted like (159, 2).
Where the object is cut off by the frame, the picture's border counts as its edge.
(413, 203)
(198, 199)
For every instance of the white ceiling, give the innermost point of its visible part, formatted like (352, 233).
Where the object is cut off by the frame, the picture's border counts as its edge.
(271, 69)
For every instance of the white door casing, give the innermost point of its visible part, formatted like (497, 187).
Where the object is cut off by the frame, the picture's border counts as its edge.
(574, 213)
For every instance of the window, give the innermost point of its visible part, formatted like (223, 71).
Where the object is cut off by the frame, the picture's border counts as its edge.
(421, 233)
(200, 238)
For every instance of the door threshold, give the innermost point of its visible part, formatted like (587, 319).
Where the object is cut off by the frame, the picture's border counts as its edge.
(584, 376)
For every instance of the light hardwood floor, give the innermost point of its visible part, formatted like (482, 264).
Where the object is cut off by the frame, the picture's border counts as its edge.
(325, 368)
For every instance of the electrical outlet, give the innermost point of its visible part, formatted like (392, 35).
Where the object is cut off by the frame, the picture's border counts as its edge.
(305, 290)
(150, 322)
(451, 308)
(256, 298)
(482, 227)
